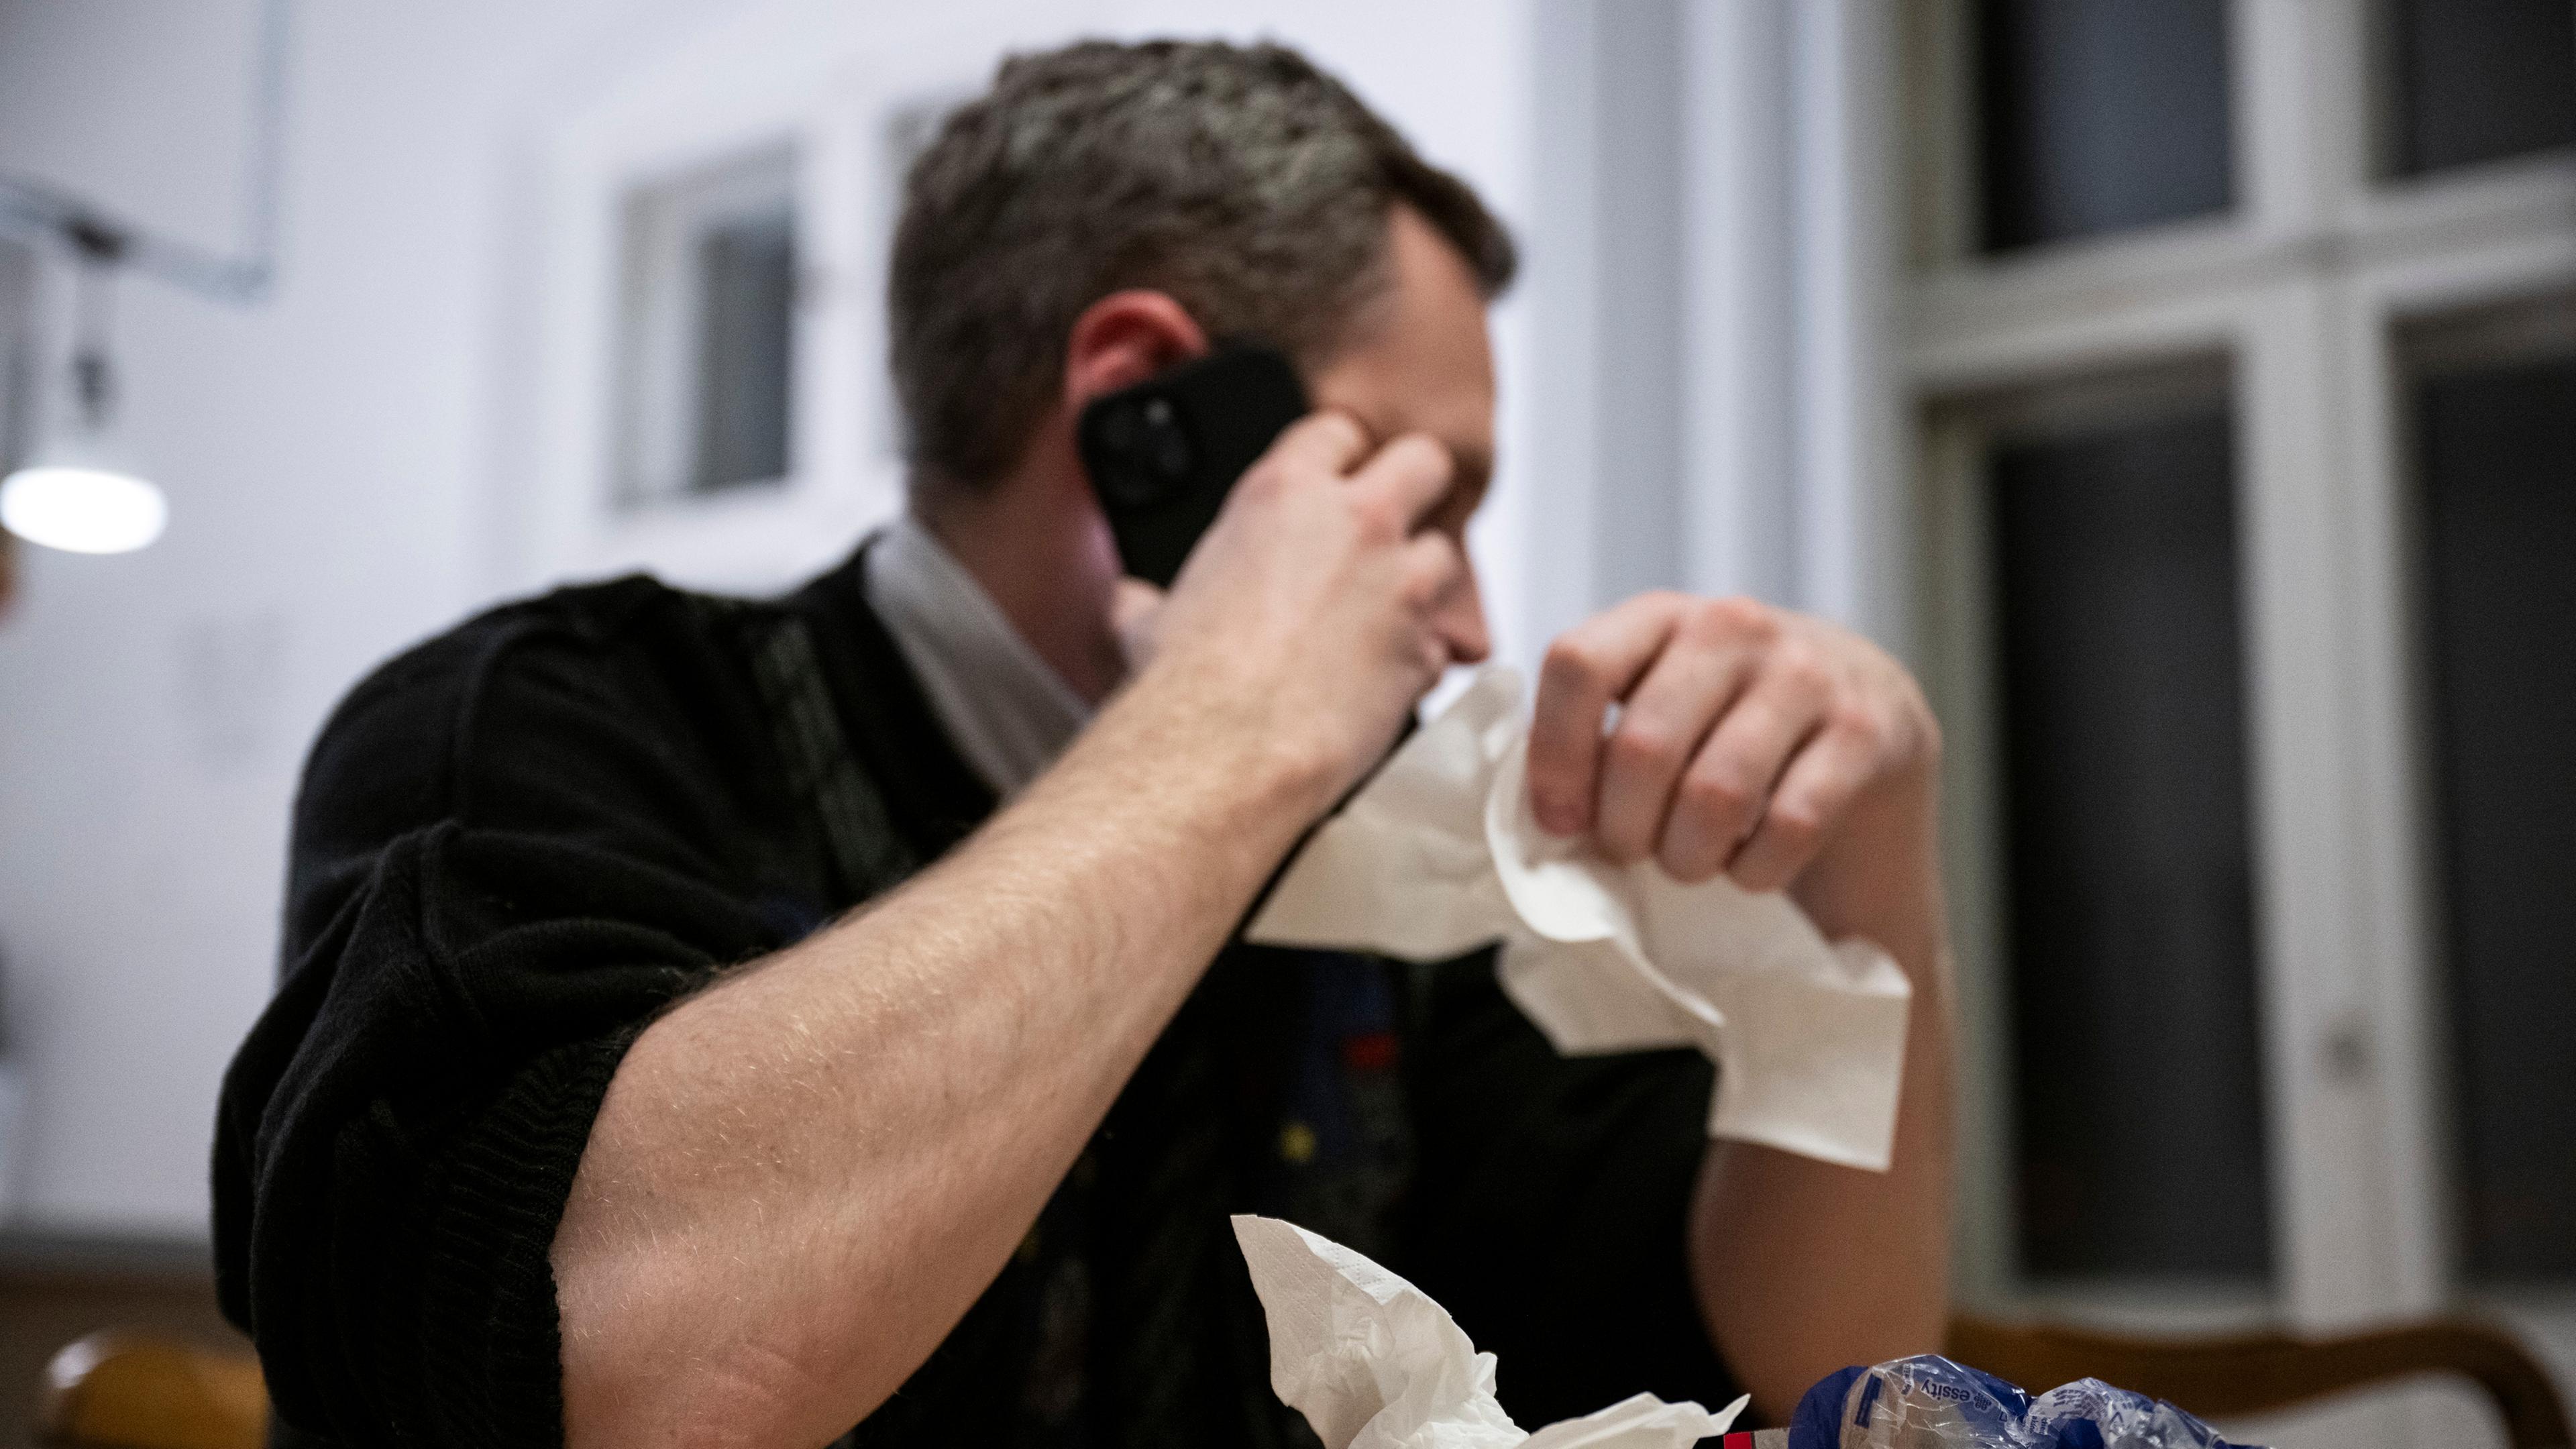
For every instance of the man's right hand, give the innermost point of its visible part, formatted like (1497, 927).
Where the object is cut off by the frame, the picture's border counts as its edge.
(1319, 609)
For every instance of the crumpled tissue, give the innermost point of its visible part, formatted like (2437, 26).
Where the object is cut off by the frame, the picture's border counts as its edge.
(1439, 854)
(1374, 1363)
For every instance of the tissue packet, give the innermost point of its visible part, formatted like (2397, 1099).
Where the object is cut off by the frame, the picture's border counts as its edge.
(1374, 1363)
(1928, 1402)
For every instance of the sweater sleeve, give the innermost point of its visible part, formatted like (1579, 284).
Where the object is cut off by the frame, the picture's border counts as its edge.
(509, 855)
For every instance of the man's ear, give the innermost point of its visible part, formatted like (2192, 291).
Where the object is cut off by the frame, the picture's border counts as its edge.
(1125, 338)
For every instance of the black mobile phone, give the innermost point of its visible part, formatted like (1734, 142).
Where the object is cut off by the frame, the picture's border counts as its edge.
(1163, 454)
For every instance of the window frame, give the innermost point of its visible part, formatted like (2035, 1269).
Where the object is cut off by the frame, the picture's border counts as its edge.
(2309, 287)
(844, 451)
(661, 313)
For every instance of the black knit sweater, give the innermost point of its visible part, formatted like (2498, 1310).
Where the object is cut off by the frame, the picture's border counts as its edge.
(518, 842)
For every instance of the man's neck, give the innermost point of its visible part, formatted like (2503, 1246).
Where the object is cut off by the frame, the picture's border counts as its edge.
(1037, 546)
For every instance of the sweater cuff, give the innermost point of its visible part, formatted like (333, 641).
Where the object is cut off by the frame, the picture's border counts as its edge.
(491, 1338)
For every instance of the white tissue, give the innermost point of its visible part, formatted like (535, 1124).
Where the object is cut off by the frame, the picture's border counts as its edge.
(1373, 1363)
(1440, 854)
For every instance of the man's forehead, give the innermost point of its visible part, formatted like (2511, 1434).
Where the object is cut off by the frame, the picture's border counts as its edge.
(1422, 362)
(1388, 404)
(1392, 401)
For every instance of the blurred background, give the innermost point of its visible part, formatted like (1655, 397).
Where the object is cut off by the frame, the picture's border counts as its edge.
(2187, 389)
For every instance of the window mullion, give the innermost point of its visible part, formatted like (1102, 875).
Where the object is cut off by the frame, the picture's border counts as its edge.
(1958, 673)
(2338, 1218)
(2387, 789)
(2302, 138)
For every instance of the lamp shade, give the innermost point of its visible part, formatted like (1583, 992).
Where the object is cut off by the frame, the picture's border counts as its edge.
(81, 506)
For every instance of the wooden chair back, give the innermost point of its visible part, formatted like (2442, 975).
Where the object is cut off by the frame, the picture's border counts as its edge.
(129, 1391)
(2224, 1377)
(134, 1391)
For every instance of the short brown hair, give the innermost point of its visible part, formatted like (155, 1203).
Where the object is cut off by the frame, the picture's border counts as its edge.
(1242, 180)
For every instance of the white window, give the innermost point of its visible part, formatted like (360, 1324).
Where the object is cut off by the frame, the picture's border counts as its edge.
(711, 381)
(706, 351)
(2238, 334)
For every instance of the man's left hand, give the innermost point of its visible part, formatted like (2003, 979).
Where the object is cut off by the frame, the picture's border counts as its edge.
(1745, 735)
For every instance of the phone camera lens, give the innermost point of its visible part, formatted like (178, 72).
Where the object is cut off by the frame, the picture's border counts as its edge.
(1167, 445)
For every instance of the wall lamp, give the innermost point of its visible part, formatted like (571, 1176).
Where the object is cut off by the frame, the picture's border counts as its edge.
(80, 489)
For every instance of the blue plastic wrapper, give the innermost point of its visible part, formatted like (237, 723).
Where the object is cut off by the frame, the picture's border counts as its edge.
(1929, 1402)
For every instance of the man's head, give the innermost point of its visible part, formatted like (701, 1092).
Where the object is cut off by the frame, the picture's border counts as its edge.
(1050, 216)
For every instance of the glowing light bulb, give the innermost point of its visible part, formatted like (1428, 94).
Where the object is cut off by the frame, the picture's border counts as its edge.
(81, 507)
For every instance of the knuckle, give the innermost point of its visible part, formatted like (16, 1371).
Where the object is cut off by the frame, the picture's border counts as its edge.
(1733, 618)
(1643, 748)
(1797, 825)
(1422, 454)
(1701, 622)
(1716, 795)
(1335, 431)
(1801, 665)
(1377, 516)
(1859, 721)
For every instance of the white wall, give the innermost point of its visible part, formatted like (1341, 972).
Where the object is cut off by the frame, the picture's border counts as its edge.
(351, 465)
(319, 454)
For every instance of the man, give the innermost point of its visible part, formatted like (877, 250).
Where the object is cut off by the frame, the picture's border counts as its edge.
(590, 1106)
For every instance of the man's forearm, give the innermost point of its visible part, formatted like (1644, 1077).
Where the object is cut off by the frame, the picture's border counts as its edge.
(1802, 1267)
(802, 1178)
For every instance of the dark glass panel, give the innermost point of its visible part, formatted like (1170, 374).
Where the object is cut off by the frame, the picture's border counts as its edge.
(747, 300)
(18, 355)
(2101, 115)
(2137, 1071)
(2478, 80)
(2499, 485)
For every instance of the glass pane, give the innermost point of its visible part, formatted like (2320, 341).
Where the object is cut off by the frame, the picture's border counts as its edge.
(2499, 486)
(747, 292)
(2137, 1072)
(2101, 115)
(2477, 80)
(707, 329)
(18, 352)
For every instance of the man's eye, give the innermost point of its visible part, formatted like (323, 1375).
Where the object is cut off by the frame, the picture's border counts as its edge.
(1459, 507)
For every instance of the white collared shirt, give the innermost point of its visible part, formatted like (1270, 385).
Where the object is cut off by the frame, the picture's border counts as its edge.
(1007, 711)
